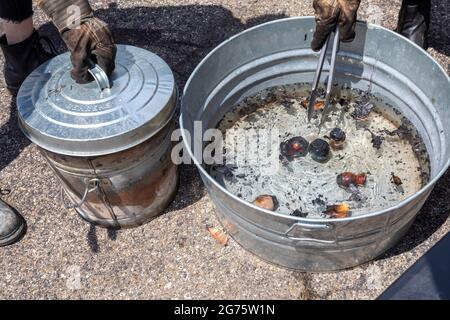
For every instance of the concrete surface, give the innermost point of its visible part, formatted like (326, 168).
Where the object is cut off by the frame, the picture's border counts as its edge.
(174, 256)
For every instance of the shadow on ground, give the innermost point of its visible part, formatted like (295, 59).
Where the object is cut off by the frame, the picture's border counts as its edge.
(434, 213)
(12, 140)
(439, 33)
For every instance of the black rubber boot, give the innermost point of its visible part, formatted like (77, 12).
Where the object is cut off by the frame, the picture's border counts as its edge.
(12, 225)
(22, 58)
(414, 21)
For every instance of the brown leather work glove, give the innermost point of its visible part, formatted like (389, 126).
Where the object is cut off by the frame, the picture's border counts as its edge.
(328, 14)
(87, 37)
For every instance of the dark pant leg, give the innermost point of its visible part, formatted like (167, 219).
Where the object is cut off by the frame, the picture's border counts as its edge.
(16, 10)
(424, 7)
(414, 21)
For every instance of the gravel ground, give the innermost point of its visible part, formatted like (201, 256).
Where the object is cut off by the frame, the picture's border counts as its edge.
(173, 256)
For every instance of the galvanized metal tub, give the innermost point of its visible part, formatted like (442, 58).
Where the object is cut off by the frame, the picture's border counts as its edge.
(278, 53)
(109, 147)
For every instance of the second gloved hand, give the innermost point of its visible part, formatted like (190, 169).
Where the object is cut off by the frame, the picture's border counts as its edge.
(87, 37)
(330, 13)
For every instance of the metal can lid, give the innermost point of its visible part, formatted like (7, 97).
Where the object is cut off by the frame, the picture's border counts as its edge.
(74, 119)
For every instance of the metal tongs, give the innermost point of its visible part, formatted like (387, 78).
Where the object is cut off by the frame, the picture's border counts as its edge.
(314, 91)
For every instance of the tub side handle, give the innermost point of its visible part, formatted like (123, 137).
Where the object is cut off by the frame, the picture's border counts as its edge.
(311, 227)
(100, 76)
(91, 185)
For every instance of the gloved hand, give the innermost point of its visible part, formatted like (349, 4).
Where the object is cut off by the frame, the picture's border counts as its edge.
(87, 37)
(330, 13)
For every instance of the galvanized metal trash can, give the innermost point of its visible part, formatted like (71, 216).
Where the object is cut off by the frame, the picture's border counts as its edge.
(279, 52)
(107, 141)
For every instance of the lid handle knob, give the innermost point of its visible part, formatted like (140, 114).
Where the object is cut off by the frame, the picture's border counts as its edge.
(100, 76)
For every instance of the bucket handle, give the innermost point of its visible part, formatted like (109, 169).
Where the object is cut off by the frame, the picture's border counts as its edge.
(99, 75)
(91, 186)
(312, 227)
